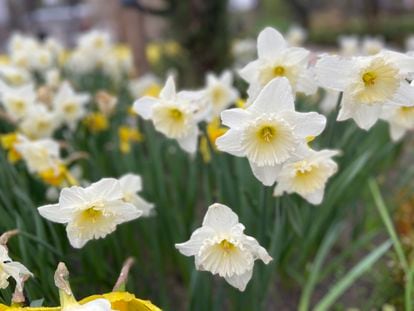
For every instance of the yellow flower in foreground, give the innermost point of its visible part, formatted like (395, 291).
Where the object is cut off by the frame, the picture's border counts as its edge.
(127, 135)
(7, 142)
(124, 301)
(58, 177)
(96, 122)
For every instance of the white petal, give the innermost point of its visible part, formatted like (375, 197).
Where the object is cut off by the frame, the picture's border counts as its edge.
(168, 91)
(227, 78)
(235, 118)
(72, 197)
(131, 183)
(315, 197)
(276, 96)
(396, 132)
(258, 251)
(306, 123)
(108, 189)
(267, 175)
(193, 245)
(17, 271)
(54, 213)
(333, 72)
(240, 281)
(123, 212)
(404, 95)
(307, 83)
(250, 71)
(270, 42)
(189, 142)
(143, 106)
(230, 142)
(220, 217)
(366, 116)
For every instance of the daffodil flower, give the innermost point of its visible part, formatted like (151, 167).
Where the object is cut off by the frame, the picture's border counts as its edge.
(147, 85)
(39, 122)
(269, 131)
(11, 269)
(92, 212)
(307, 174)
(131, 184)
(276, 59)
(367, 83)
(8, 142)
(173, 114)
(400, 119)
(219, 92)
(69, 105)
(17, 101)
(221, 247)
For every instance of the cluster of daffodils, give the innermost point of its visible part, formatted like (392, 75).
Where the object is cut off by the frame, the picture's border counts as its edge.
(352, 45)
(96, 51)
(95, 211)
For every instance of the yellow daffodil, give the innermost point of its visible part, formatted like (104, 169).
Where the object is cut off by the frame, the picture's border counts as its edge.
(96, 122)
(123, 301)
(128, 135)
(214, 131)
(7, 142)
(58, 177)
(4, 59)
(153, 53)
(172, 48)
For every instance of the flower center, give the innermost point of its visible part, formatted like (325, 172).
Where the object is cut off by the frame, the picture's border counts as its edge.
(176, 115)
(407, 109)
(369, 78)
(303, 169)
(227, 246)
(267, 133)
(278, 71)
(91, 214)
(69, 108)
(217, 95)
(19, 105)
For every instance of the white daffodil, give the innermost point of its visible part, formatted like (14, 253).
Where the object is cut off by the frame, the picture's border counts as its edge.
(94, 305)
(400, 119)
(14, 76)
(39, 155)
(9, 268)
(306, 174)
(144, 86)
(17, 101)
(131, 184)
(69, 105)
(39, 122)
(277, 59)
(296, 35)
(367, 83)
(372, 45)
(52, 78)
(221, 247)
(220, 92)
(92, 212)
(269, 131)
(173, 114)
(349, 45)
(95, 40)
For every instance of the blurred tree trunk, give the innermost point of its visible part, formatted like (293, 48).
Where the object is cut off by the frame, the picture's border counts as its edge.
(201, 28)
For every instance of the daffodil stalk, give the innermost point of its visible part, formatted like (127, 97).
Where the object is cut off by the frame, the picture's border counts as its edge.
(62, 282)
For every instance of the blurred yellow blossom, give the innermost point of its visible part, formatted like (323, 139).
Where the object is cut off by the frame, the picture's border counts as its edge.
(127, 135)
(153, 53)
(153, 90)
(172, 48)
(7, 142)
(214, 131)
(4, 59)
(96, 122)
(58, 176)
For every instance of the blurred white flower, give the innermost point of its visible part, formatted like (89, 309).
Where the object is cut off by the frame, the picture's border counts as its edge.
(243, 51)
(220, 92)
(39, 122)
(277, 59)
(52, 78)
(296, 35)
(92, 212)
(131, 184)
(329, 101)
(367, 83)
(221, 247)
(10, 268)
(349, 45)
(17, 101)
(95, 40)
(172, 114)
(269, 131)
(144, 85)
(409, 43)
(372, 45)
(14, 76)
(39, 155)
(69, 105)
(306, 174)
